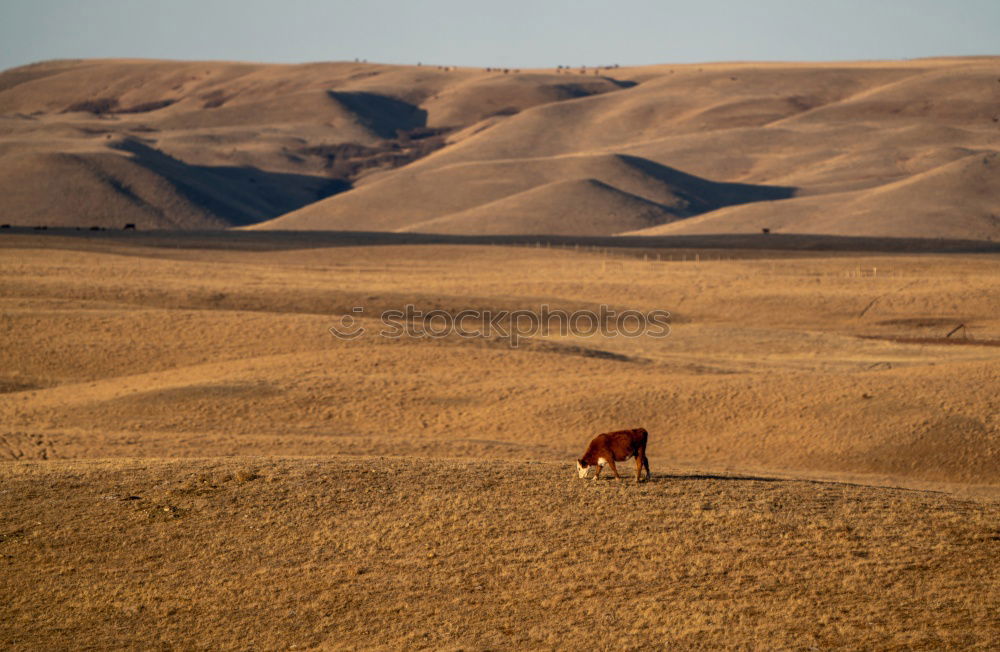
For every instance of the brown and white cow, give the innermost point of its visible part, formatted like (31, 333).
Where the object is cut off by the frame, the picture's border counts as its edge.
(611, 447)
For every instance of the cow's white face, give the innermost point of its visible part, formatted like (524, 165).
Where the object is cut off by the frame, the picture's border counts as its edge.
(581, 470)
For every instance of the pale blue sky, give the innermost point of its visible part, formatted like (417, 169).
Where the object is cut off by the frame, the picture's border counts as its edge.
(516, 33)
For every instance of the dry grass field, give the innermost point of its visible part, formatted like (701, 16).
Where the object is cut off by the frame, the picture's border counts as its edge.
(193, 460)
(411, 553)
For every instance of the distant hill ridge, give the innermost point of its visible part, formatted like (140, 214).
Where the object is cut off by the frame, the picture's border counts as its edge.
(885, 149)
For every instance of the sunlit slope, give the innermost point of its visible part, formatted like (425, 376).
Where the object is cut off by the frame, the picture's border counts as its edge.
(528, 195)
(579, 206)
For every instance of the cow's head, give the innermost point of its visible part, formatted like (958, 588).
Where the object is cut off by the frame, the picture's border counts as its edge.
(582, 470)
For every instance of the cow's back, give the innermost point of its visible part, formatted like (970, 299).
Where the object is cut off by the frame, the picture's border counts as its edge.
(624, 443)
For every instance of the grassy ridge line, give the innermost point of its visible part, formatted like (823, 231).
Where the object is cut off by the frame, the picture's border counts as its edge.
(392, 553)
(736, 243)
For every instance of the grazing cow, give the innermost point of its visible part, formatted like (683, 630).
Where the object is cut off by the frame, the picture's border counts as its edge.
(129, 227)
(612, 447)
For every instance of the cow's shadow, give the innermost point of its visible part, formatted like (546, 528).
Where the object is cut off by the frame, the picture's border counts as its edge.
(737, 477)
(731, 477)
(664, 477)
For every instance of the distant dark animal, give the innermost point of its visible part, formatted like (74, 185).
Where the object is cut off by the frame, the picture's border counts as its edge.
(95, 228)
(765, 231)
(129, 227)
(4, 226)
(611, 447)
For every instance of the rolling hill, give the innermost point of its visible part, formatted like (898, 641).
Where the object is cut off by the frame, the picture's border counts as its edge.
(895, 148)
(956, 199)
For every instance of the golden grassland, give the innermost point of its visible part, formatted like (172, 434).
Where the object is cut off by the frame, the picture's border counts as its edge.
(393, 553)
(776, 362)
(192, 459)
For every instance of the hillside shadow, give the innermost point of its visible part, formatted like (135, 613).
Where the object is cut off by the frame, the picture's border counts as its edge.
(385, 116)
(621, 83)
(702, 195)
(238, 195)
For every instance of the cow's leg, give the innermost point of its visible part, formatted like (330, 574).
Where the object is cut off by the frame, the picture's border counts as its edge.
(598, 474)
(614, 470)
(641, 461)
